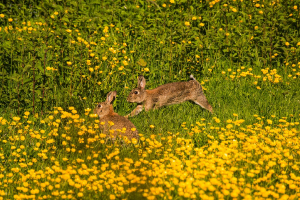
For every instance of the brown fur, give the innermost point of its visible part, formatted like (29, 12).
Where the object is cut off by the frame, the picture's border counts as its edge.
(168, 94)
(106, 114)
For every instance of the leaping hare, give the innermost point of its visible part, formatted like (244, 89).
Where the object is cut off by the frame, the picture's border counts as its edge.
(171, 93)
(114, 124)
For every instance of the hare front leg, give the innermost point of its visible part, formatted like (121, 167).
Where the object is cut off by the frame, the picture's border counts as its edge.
(202, 101)
(136, 111)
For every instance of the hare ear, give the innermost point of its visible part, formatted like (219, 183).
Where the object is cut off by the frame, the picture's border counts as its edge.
(141, 82)
(111, 96)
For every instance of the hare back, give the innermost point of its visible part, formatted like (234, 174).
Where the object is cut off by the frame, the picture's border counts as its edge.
(119, 123)
(173, 93)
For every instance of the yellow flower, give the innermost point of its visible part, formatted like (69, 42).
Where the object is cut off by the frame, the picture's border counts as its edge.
(260, 12)
(187, 23)
(164, 5)
(112, 197)
(134, 141)
(234, 194)
(172, 1)
(16, 118)
(234, 10)
(91, 69)
(194, 18)
(152, 126)
(10, 19)
(201, 24)
(71, 108)
(146, 69)
(110, 123)
(2, 15)
(229, 126)
(27, 113)
(50, 141)
(93, 115)
(217, 120)
(287, 43)
(56, 13)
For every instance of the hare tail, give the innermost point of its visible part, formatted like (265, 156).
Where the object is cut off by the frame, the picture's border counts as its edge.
(192, 77)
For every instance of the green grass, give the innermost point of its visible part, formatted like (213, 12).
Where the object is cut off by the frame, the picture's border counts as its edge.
(239, 96)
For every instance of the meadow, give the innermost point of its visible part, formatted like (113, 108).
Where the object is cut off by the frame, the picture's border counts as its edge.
(58, 59)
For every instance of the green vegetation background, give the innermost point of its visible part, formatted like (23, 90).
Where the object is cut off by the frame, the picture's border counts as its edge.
(72, 53)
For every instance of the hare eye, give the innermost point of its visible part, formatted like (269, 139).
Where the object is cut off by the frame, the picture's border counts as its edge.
(99, 106)
(136, 92)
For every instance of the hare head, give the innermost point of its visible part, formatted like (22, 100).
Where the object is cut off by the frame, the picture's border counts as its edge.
(138, 95)
(106, 108)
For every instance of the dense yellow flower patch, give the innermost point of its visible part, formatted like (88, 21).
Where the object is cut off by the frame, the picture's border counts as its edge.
(67, 157)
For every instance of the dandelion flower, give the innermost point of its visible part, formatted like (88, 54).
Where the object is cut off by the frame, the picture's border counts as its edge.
(187, 23)
(152, 126)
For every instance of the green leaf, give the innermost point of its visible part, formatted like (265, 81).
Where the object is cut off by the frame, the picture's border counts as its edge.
(26, 81)
(27, 68)
(142, 62)
(65, 19)
(95, 2)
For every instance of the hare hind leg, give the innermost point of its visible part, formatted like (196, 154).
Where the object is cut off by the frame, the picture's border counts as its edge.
(202, 101)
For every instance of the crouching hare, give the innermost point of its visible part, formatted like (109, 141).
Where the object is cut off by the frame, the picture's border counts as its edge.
(112, 124)
(171, 93)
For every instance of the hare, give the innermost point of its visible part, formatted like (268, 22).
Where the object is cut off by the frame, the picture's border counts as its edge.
(171, 93)
(113, 124)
